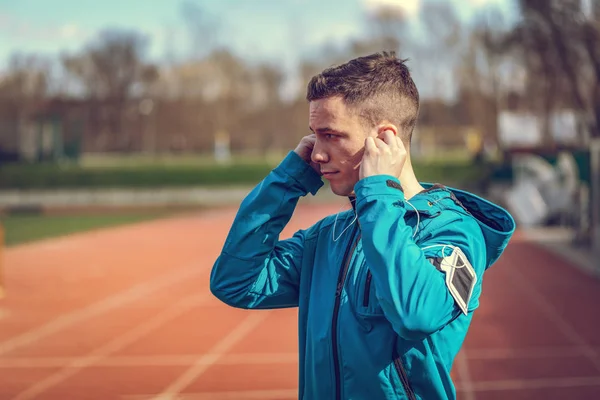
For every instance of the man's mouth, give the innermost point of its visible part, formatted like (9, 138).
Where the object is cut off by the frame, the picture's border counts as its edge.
(329, 174)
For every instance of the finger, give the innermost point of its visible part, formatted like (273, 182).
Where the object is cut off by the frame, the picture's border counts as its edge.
(389, 138)
(370, 146)
(381, 145)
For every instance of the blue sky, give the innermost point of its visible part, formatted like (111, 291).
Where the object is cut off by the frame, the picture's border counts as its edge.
(254, 28)
(281, 31)
(261, 28)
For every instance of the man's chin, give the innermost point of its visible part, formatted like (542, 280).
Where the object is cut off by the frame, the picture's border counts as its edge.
(342, 191)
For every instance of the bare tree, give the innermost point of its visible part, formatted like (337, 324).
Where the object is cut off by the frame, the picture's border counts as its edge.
(26, 77)
(440, 44)
(202, 29)
(111, 69)
(478, 73)
(559, 46)
(387, 26)
(270, 78)
(22, 88)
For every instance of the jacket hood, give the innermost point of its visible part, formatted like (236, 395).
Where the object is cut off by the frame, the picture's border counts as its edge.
(497, 225)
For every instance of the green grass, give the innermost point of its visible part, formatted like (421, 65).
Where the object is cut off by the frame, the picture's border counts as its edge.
(51, 176)
(54, 176)
(136, 160)
(27, 228)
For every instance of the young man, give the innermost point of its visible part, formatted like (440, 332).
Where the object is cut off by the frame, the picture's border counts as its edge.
(386, 291)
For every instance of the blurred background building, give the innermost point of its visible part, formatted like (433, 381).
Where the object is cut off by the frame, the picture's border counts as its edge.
(502, 82)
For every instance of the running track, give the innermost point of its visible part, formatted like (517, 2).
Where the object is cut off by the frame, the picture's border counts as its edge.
(126, 313)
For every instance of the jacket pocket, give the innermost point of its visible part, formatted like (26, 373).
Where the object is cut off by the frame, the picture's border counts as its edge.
(367, 289)
(367, 304)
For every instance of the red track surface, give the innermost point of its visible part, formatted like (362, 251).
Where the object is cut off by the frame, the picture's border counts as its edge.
(126, 313)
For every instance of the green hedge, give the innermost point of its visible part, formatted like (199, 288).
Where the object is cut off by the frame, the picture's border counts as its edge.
(54, 176)
(45, 176)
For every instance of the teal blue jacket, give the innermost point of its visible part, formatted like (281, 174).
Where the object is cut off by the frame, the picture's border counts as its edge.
(376, 318)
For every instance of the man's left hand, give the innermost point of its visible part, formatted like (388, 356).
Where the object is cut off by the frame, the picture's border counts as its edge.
(383, 156)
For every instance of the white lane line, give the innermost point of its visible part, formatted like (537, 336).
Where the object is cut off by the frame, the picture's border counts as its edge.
(157, 360)
(277, 394)
(269, 358)
(546, 307)
(483, 386)
(465, 376)
(137, 292)
(210, 358)
(528, 353)
(545, 383)
(129, 337)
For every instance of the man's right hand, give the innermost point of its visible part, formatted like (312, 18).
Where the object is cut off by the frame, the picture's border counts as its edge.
(305, 149)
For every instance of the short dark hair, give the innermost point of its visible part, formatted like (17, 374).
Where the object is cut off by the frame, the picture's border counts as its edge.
(378, 86)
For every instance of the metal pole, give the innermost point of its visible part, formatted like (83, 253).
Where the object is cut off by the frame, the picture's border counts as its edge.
(595, 195)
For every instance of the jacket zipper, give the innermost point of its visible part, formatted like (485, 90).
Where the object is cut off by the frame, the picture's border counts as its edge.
(402, 374)
(367, 289)
(336, 307)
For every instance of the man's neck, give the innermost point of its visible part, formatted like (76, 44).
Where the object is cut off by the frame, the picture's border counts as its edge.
(410, 184)
(408, 180)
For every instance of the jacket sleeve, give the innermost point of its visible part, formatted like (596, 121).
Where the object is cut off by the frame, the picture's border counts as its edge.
(255, 269)
(411, 291)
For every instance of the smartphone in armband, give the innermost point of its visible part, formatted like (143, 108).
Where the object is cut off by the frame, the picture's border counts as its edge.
(460, 277)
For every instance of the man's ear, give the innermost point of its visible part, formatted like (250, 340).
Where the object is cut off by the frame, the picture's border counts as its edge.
(386, 127)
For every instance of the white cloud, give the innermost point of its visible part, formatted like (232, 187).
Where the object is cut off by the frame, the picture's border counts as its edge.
(68, 31)
(22, 30)
(480, 3)
(409, 7)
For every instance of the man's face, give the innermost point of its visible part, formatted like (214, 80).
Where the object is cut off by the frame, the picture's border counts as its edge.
(340, 143)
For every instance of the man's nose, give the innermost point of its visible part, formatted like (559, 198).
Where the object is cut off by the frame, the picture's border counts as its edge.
(319, 155)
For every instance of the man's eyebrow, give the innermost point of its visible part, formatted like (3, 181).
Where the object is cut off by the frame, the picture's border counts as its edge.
(326, 130)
